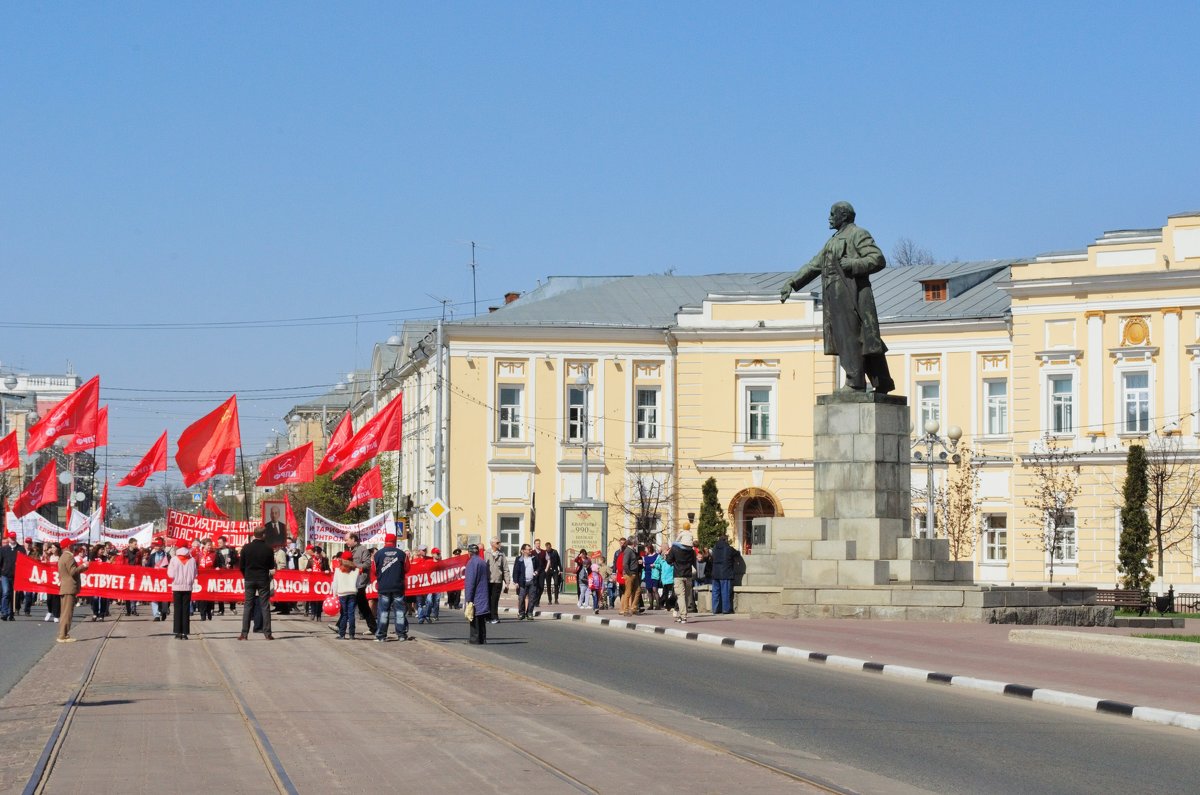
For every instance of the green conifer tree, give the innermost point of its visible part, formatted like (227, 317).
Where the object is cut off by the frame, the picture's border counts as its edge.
(711, 524)
(1134, 555)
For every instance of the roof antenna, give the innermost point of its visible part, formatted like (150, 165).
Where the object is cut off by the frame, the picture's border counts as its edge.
(474, 297)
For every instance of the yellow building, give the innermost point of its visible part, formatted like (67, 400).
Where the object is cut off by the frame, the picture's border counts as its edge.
(675, 379)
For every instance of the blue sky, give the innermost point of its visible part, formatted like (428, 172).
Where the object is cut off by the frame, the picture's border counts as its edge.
(193, 162)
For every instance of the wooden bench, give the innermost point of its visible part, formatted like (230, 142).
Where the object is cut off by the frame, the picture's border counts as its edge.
(1123, 597)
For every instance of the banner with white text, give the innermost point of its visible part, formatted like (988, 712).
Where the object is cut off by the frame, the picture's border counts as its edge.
(192, 528)
(319, 530)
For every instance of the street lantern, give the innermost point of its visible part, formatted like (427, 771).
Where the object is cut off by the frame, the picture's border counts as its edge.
(930, 441)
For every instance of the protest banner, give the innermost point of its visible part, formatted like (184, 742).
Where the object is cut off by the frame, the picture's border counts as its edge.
(192, 528)
(319, 530)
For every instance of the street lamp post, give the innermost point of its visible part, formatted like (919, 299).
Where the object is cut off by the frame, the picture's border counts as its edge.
(930, 441)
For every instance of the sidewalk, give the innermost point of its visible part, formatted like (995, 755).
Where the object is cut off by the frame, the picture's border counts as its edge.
(971, 651)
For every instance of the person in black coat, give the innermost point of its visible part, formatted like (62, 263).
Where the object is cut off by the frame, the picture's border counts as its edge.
(724, 560)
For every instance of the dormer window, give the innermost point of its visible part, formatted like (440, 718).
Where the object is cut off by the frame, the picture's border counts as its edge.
(935, 289)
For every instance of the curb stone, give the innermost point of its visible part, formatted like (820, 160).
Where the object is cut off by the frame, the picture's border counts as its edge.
(1163, 717)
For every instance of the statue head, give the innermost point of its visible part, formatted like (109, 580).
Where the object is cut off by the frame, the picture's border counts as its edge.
(840, 214)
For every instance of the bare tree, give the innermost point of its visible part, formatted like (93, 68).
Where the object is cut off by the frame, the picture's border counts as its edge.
(1055, 484)
(907, 252)
(958, 505)
(645, 505)
(1174, 491)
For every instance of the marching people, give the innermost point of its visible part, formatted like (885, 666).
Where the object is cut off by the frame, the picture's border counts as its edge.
(227, 558)
(181, 572)
(8, 573)
(498, 578)
(99, 554)
(361, 556)
(477, 590)
(158, 559)
(431, 602)
(50, 555)
(650, 581)
(527, 573)
(554, 573)
(582, 570)
(132, 556)
(70, 570)
(257, 563)
(317, 562)
(26, 599)
(345, 587)
(454, 598)
(206, 560)
(389, 566)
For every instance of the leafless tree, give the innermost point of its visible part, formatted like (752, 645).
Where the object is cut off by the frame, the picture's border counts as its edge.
(958, 505)
(1174, 491)
(1051, 503)
(646, 504)
(907, 252)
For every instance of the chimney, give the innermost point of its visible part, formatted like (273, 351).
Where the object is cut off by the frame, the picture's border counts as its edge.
(510, 297)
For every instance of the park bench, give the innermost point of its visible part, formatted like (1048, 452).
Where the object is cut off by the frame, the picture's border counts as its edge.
(1122, 597)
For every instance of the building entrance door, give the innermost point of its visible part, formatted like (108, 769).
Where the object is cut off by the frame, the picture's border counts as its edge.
(751, 509)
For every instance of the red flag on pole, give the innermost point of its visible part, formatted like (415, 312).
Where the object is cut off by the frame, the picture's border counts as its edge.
(368, 487)
(293, 525)
(90, 438)
(104, 502)
(212, 506)
(10, 453)
(294, 466)
(382, 432)
(77, 411)
(209, 445)
(337, 443)
(155, 460)
(39, 491)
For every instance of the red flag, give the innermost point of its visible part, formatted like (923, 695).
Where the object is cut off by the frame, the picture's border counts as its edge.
(337, 443)
(293, 525)
(368, 487)
(41, 490)
(77, 411)
(294, 466)
(104, 502)
(90, 438)
(212, 506)
(10, 453)
(381, 432)
(209, 445)
(155, 460)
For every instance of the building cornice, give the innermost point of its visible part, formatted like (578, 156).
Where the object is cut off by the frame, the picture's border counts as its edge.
(725, 465)
(1105, 283)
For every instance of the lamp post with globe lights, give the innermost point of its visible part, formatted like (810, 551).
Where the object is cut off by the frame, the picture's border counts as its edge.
(931, 441)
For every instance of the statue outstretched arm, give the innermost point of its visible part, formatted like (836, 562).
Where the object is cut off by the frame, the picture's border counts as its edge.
(801, 278)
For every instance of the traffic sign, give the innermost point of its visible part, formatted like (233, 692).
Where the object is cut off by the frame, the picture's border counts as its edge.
(437, 509)
(197, 498)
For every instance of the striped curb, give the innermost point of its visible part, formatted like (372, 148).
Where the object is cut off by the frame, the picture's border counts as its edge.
(1042, 695)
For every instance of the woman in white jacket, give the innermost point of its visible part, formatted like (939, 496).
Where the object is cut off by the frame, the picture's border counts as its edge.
(181, 572)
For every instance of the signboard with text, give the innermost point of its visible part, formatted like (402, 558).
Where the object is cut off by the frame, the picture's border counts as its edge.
(582, 527)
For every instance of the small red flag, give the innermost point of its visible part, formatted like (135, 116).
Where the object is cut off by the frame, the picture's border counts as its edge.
(337, 443)
(209, 445)
(212, 506)
(382, 432)
(293, 525)
(90, 438)
(155, 460)
(368, 487)
(10, 453)
(294, 466)
(77, 411)
(41, 490)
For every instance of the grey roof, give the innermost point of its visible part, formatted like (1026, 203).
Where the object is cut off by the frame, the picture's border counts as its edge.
(1184, 214)
(652, 301)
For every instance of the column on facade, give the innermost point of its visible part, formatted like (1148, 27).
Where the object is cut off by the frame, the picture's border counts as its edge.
(1094, 356)
(1170, 368)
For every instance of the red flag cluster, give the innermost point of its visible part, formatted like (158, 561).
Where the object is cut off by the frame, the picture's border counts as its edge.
(368, 487)
(382, 432)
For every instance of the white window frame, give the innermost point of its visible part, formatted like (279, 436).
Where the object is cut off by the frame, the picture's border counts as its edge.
(759, 413)
(1048, 377)
(990, 545)
(512, 425)
(744, 387)
(1063, 560)
(575, 418)
(510, 549)
(919, 529)
(928, 408)
(647, 430)
(1120, 373)
(1001, 404)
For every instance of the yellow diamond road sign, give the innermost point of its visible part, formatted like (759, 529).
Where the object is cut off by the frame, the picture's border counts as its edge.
(437, 509)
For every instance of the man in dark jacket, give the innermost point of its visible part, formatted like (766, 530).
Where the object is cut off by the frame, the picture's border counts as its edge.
(631, 573)
(476, 587)
(8, 571)
(389, 564)
(724, 560)
(554, 574)
(257, 563)
(362, 556)
(227, 558)
(682, 558)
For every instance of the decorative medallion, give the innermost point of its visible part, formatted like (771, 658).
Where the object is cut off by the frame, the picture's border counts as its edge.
(1135, 331)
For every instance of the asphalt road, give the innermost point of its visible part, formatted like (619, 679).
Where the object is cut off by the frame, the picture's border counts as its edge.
(857, 730)
(22, 643)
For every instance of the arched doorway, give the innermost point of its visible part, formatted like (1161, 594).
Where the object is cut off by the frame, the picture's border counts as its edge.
(746, 506)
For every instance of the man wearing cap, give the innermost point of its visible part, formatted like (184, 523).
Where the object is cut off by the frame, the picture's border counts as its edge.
(257, 562)
(389, 565)
(498, 578)
(477, 590)
(8, 571)
(69, 580)
(362, 556)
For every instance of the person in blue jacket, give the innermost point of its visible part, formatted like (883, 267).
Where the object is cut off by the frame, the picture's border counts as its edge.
(475, 591)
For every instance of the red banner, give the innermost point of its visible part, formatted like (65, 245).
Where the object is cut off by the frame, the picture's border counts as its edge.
(189, 527)
(145, 584)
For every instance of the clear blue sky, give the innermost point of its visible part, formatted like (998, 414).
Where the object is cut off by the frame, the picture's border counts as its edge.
(201, 162)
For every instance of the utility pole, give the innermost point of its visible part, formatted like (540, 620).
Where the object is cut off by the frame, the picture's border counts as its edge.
(438, 442)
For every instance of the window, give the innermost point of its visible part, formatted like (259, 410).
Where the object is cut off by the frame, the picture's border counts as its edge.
(935, 289)
(929, 402)
(1066, 550)
(920, 530)
(510, 536)
(995, 538)
(576, 403)
(510, 413)
(995, 397)
(1135, 391)
(758, 414)
(1062, 403)
(647, 415)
